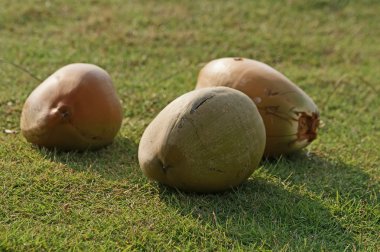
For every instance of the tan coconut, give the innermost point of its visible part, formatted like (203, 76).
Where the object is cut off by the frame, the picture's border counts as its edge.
(290, 116)
(76, 108)
(204, 141)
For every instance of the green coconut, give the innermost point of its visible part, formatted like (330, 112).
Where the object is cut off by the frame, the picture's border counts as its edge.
(76, 108)
(290, 116)
(206, 140)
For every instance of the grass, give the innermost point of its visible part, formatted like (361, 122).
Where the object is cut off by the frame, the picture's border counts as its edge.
(323, 199)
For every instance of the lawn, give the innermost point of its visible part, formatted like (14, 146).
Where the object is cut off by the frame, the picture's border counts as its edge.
(323, 199)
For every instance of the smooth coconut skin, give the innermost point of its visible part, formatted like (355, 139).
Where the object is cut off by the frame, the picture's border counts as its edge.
(76, 108)
(206, 140)
(290, 116)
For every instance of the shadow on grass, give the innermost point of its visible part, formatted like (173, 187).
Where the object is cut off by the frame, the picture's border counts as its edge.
(279, 216)
(116, 161)
(259, 212)
(264, 214)
(322, 176)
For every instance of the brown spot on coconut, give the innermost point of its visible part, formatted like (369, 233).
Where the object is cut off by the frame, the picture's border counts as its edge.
(76, 108)
(206, 140)
(290, 116)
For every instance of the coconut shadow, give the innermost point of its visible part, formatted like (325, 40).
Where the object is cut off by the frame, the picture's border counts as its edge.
(115, 162)
(321, 175)
(261, 211)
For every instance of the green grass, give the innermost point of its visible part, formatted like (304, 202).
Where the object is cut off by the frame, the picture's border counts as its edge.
(324, 199)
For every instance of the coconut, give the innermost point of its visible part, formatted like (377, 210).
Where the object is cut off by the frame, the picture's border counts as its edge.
(76, 108)
(206, 140)
(290, 116)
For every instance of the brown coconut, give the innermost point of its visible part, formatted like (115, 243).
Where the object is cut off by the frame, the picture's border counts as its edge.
(76, 108)
(290, 116)
(206, 140)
